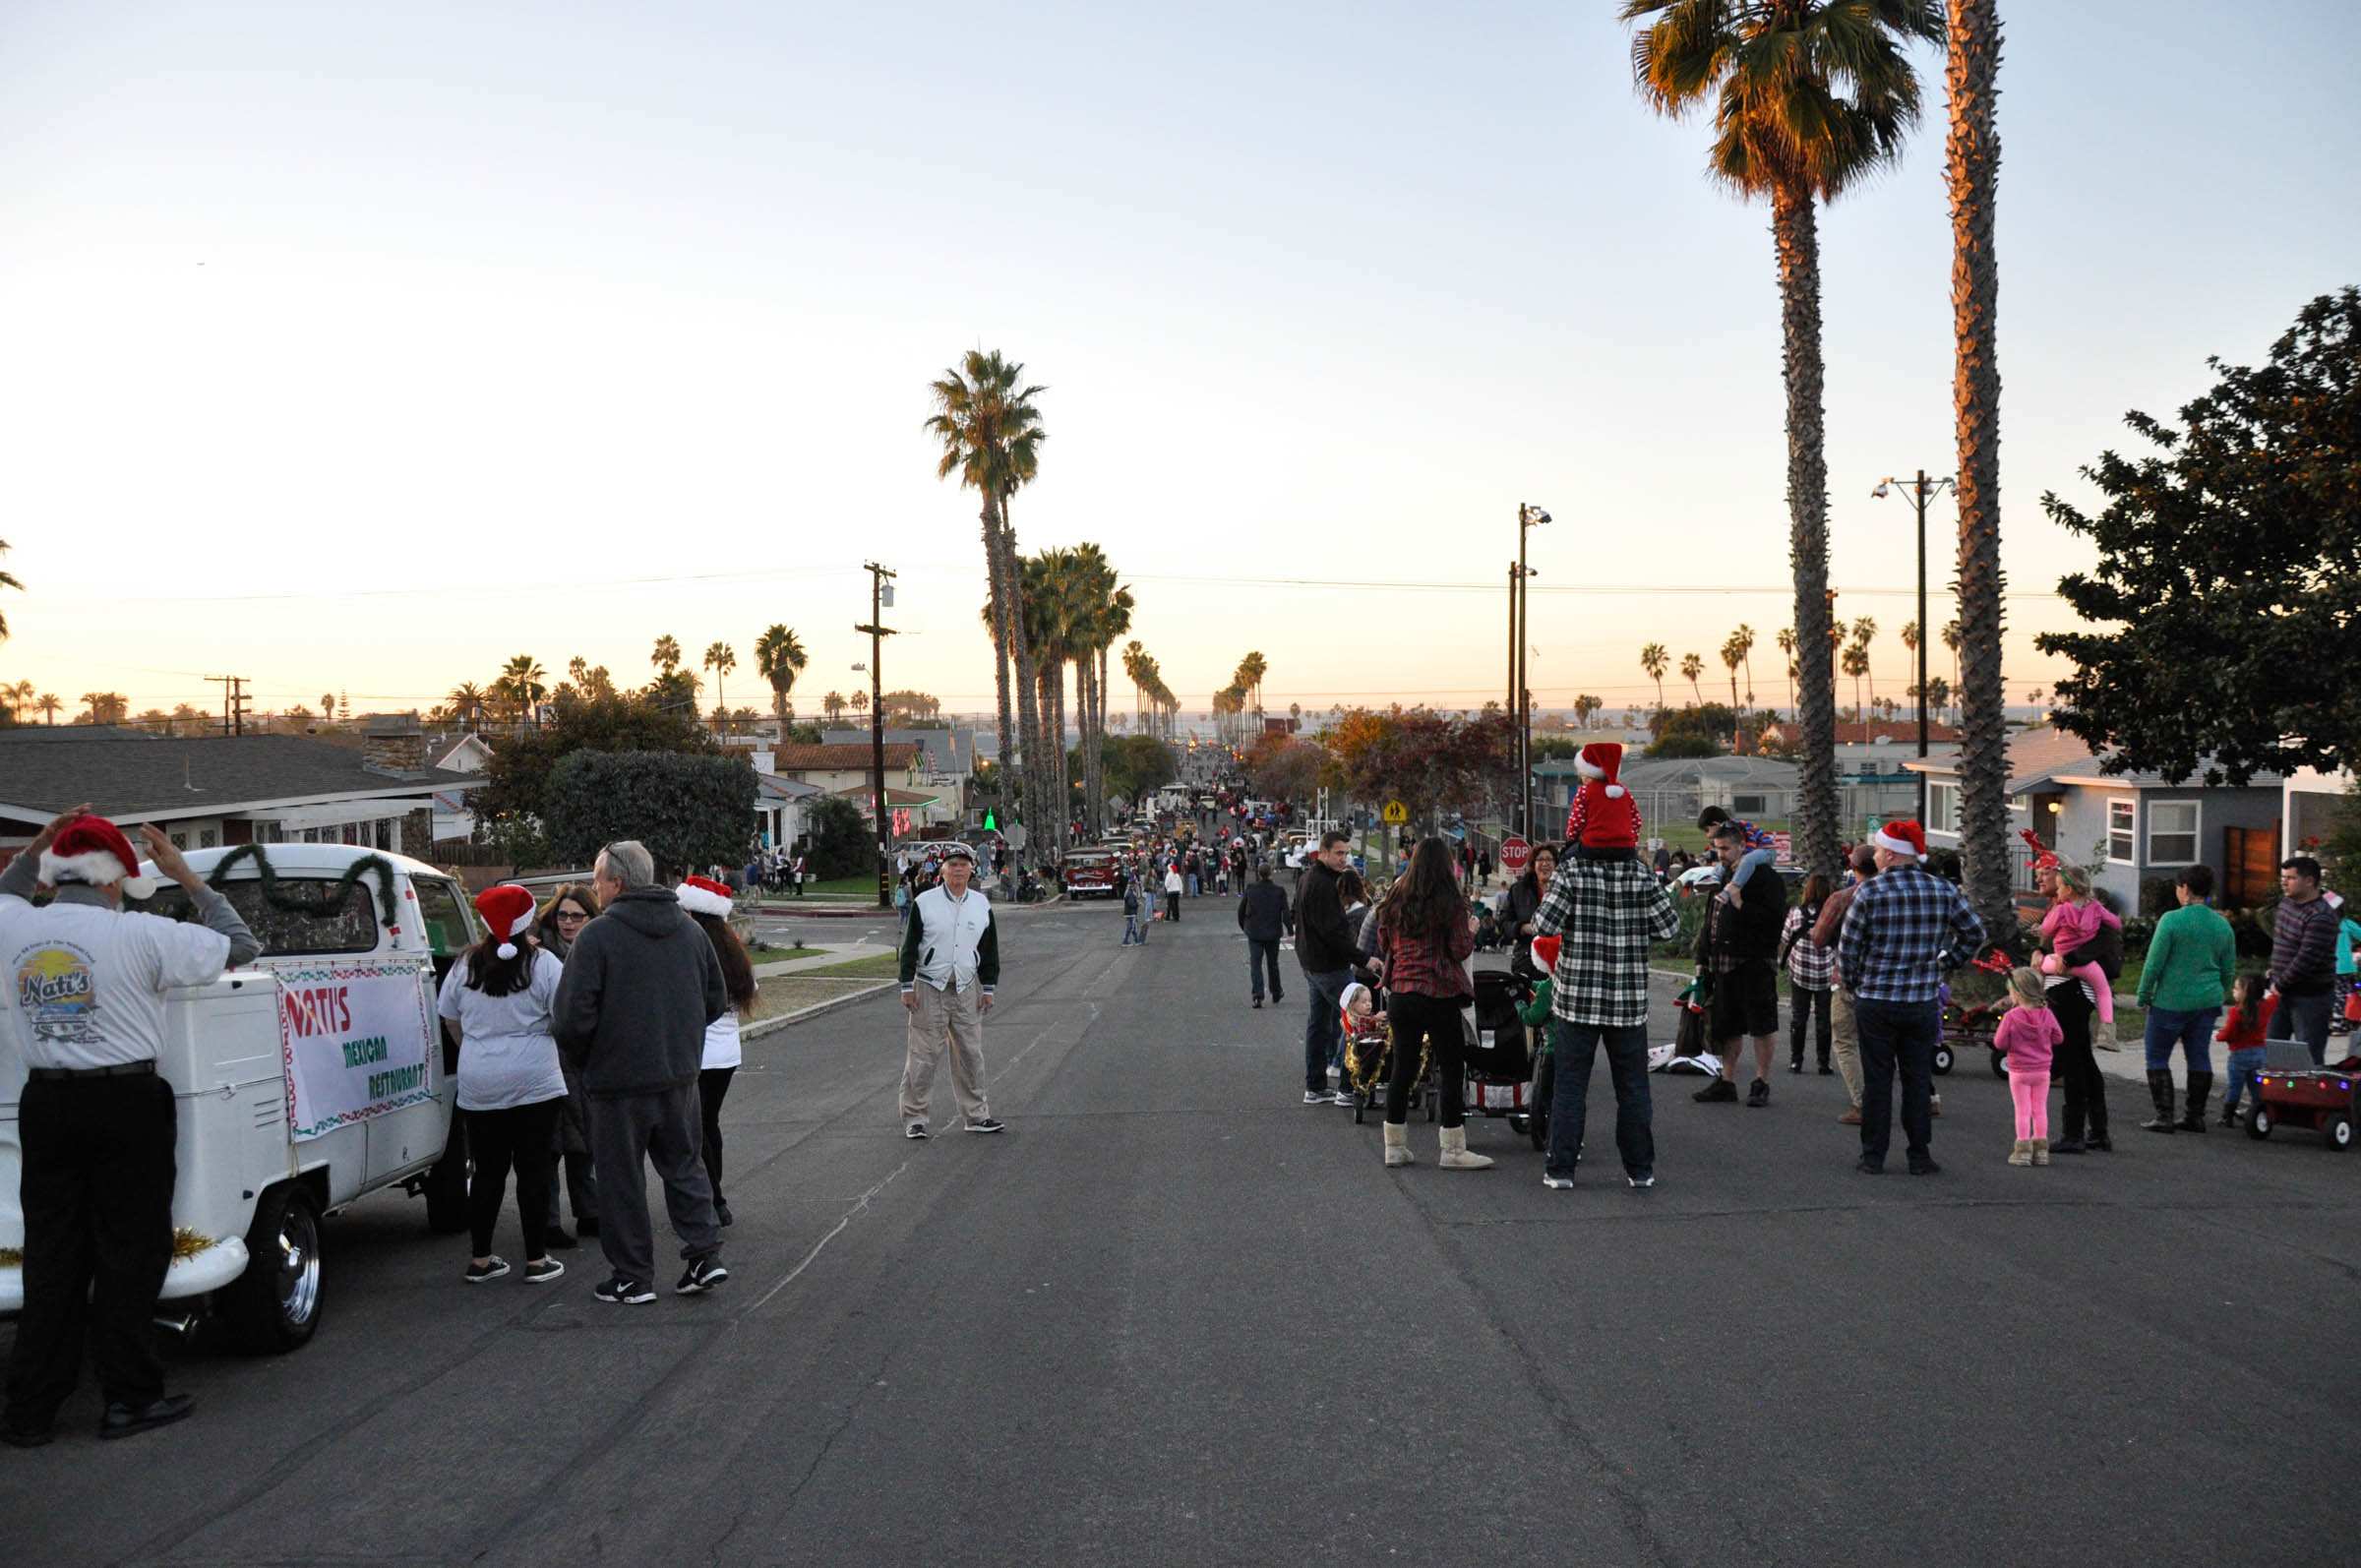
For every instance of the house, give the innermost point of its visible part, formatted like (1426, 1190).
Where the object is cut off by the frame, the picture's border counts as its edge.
(1761, 789)
(783, 807)
(946, 757)
(2310, 803)
(838, 767)
(209, 791)
(2127, 827)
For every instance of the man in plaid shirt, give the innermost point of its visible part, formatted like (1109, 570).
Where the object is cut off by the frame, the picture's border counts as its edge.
(1904, 928)
(1606, 907)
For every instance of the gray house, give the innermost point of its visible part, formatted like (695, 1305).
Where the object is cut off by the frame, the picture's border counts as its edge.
(2127, 827)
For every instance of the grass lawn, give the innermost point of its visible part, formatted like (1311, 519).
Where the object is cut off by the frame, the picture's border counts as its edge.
(836, 887)
(876, 966)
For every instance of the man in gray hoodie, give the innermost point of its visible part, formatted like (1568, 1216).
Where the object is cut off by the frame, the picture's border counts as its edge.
(640, 985)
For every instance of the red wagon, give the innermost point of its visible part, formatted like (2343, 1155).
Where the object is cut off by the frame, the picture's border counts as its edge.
(2322, 1098)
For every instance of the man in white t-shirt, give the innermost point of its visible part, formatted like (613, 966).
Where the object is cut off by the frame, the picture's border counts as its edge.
(96, 1122)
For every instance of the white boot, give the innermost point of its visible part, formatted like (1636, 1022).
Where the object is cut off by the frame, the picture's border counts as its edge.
(1397, 1144)
(1455, 1156)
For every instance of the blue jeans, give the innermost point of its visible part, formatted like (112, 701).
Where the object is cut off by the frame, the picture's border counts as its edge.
(1897, 1035)
(1263, 957)
(1573, 1049)
(2242, 1067)
(1323, 1027)
(1750, 863)
(1192, 884)
(1135, 929)
(2304, 1018)
(2193, 1032)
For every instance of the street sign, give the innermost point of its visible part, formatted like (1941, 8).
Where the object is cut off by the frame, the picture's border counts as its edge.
(1396, 814)
(1515, 855)
(1782, 848)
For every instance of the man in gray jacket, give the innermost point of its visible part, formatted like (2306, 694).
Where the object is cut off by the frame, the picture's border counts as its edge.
(640, 985)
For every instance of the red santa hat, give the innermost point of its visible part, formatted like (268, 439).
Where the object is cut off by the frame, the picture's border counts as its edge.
(1601, 760)
(703, 895)
(1902, 837)
(1545, 952)
(92, 851)
(509, 910)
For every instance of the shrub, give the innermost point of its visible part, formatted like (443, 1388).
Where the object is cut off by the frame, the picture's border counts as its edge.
(690, 811)
(2157, 896)
(840, 845)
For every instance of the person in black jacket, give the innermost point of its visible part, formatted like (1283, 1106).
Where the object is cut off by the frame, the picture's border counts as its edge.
(1741, 953)
(1262, 916)
(1324, 948)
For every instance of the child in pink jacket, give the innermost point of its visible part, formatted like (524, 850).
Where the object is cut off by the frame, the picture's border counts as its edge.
(2072, 920)
(2028, 1037)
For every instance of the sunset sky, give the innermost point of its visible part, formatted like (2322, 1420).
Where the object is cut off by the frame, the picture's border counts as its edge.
(359, 348)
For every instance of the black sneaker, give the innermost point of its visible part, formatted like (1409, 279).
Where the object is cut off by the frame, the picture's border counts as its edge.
(619, 1291)
(477, 1275)
(129, 1420)
(1758, 1095)
(1641, 1184)
(916, 1129)
(1719, 1090)
(543, 1272)
(703, 1274)
(988, 1124)
(1258, 1004)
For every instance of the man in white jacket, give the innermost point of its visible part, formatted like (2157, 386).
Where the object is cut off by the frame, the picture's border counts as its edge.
(950, 966)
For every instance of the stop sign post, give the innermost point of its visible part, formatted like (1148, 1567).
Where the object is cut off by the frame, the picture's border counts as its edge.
(1515, 854)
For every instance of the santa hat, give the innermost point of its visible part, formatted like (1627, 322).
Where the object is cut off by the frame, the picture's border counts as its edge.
(1544, 952)
(1346, 998)
(1902, 837)
(703, 895)
(509, 910)
(93, 851)
(1601, 760)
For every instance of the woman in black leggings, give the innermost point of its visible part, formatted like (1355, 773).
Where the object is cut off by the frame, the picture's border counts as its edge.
(1424, 934)
(2077, 1069)
(708, 904)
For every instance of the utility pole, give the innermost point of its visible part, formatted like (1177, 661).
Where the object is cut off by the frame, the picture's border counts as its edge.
(233, 703)
(1516, 635)
(1527, 518)
(1922, 490)
(880, 595)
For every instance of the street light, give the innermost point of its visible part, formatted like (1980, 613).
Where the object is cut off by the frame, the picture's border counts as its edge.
(1528, 517)
(1921, 490)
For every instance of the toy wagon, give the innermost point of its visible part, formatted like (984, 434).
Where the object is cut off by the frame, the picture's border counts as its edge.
(2327, 1099)
(1971, 1025)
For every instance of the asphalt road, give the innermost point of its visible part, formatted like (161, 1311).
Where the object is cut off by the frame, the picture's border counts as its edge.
(1174, 1316)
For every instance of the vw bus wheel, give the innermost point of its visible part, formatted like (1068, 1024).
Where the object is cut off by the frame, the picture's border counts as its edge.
(275, 1305)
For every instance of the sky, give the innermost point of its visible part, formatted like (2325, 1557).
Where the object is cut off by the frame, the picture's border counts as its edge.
(359, 348)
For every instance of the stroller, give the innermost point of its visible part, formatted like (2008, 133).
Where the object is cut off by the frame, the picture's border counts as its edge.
(1499, 1080)
(1368, 1062)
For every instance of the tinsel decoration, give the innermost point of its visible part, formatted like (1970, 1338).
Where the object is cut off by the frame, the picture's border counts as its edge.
(324, 903)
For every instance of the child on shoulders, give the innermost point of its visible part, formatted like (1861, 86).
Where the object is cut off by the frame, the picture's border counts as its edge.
(1761, 850)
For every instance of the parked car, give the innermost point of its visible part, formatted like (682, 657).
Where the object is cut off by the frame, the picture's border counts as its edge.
(1089, 873)
(312, 1079)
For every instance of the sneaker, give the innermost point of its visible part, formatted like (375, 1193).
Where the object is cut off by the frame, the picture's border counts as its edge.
(1719, 1090)
(1346, 1097)
(477, 1274)
(1925, 1168)
(1317, 1097)
(1640, 1183)
(721, 1209)
(916, 1129)
(1826, 1069)
(1557, 1184)
(1758, 1094)
(702, 1275)
(543, 1272)
(1258, 1004)
(1796, 1065)
(619, 1291)
(988, 1124)
(1278, 997)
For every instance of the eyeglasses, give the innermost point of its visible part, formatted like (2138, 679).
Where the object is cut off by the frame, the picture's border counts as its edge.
(567, 914)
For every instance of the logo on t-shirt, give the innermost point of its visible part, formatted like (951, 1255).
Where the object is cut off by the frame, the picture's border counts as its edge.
(57, 992)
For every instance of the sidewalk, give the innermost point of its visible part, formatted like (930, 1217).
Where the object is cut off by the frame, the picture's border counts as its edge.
(820, 958)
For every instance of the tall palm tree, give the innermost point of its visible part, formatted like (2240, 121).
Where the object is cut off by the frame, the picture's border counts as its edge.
(1787, 645)
(780, 658)
(1856, 665)
(1691, 667)
(859, 700)
(49, 705)
(7, 581)
(16, 699)
(521, 685)
(1865, 633)
(1743, 636)
(1655, 661)
(1809, 97)
(1972, 170)
(1732, 657)
(666, 655)
(1251, 669)
(721, 659)
(1951, 640)
(833, 704)
(990, 436)
(467, 703)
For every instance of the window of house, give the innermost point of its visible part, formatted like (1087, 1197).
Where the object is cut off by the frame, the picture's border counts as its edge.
(2172, 831)
(209, 839)
(2019, 805)
(2122, 831)
(180, 841)
(1748, 805)
(1942, 807)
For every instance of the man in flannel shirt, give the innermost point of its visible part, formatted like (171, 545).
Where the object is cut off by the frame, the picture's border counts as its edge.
(1902, 930)
(1606, 907)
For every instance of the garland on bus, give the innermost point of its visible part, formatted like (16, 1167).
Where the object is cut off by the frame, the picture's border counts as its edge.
(325, 903)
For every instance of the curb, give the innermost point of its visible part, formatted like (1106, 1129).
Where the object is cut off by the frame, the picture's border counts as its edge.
(771, 1026)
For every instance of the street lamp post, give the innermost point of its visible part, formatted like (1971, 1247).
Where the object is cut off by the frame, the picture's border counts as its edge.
(1921, 490)
(1527, 518)
(880, 594)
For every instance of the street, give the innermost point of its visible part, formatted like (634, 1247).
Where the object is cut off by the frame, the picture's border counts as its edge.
(1175, 1317)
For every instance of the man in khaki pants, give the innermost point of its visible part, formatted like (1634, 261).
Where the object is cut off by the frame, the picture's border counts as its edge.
(1844, 1038)
(950, 966)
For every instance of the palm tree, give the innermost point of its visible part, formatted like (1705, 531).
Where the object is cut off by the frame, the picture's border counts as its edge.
(721, 659)
(833, 704)
(520, 684)
(1787, 645)
(666, 656)
(1809, 97)
(780, 658)
(1250, 671)
(1865, 633)
(467, 701)
(1732, 657)
(1743, 636)
(1856, 665)
(859, 700)
(16, 699)
(50, 706)
(1951, 640)
(1691, 667)
(7, 581)
(991, 435)
(1655, 661)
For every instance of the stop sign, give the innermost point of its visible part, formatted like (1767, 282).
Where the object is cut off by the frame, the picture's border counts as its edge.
(1514, 854)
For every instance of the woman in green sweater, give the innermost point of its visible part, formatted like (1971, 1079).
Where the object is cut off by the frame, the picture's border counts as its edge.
(2191, 962)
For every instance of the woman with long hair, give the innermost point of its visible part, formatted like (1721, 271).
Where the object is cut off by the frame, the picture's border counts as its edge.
(708, 904)
(571, 907)
(1424, 934)
(1811, 975)
(1525, 896)
(497, 1001)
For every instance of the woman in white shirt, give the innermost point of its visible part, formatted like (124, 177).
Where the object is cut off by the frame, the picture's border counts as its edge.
(497, 1004)
(708, 904)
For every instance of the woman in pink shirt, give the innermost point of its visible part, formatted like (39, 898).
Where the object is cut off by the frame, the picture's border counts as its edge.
(2028, 1037)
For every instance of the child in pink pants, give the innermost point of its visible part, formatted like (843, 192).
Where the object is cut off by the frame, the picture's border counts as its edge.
(2029, 1036)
